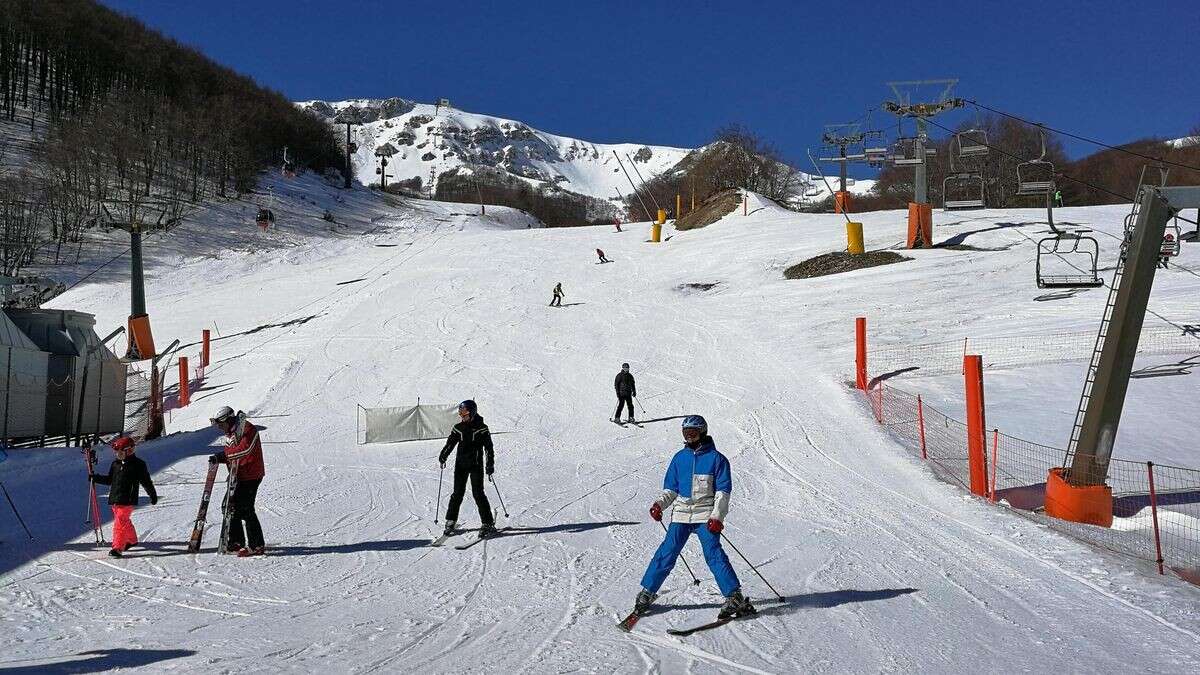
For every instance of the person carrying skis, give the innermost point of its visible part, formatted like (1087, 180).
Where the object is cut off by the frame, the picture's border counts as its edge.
(243, 453)
(698, 483)
(602, 258)
(556, 301)
(125, 474)
(475, 457)
(626, 389)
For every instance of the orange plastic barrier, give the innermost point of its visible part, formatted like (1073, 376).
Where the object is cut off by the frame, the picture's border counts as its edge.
(860, 353)
(1089, 504)
(141, 341)
(184, 395)
(976, 427)
(841, 202)
(920, 225)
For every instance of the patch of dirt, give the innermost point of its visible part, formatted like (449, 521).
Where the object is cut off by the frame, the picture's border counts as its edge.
(714, 208)
(836, 263)
(686, 288)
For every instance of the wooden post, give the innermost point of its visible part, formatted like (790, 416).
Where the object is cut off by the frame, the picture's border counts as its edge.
(860, 352)
(976, 427)
(678, 205)
(184, 397)
(204, 349)
(921, 425)
(995, 445)
(1154, 515)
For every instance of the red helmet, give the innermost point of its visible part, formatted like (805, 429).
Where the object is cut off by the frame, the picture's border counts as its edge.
(122, 443)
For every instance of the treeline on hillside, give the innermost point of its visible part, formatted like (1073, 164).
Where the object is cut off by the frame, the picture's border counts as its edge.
(737, 158)
(555, 208)
(124, 117)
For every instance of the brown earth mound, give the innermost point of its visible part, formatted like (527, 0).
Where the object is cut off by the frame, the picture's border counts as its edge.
(836, 263)
(716, 207)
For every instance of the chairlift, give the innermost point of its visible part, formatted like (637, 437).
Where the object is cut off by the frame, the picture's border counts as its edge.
(906, 151)
(971, 143)
(962, 191)
(1171, 241)
(813, 190)
(875, 156)
(1036, 176)
(265, 218)
(1072, 259)
(289, 167)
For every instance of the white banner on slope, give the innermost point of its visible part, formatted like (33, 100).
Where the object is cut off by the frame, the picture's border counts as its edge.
(409, 423)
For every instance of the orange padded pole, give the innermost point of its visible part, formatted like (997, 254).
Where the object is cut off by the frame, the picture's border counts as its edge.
(184, 398)
(860, 353)
(976, 428)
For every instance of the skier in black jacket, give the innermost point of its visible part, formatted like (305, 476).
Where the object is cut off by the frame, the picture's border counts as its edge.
(475, 456)
(124, 475)
(626, 390)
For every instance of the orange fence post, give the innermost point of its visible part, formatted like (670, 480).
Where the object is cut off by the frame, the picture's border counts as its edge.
(860, 353)
(204, 351)
(881, 403)
(995, 444)
(921, 425)
(184, 398)
(976, 428)
(1154, 515)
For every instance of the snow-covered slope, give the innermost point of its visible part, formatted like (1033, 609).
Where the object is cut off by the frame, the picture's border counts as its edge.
(883, 567)
(423, 141)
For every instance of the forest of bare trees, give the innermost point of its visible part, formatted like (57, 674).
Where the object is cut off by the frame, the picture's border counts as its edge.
(106, 123)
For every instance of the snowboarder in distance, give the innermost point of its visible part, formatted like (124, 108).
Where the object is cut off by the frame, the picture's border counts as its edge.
(698, 483)
(602, 258)
(243, 453)
(125, 474)
(1058, 202)
(626, 388)
(617, 222)
(556, 301)
(475, 457)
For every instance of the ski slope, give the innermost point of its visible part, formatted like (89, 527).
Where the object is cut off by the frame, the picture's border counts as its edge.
(883, 567)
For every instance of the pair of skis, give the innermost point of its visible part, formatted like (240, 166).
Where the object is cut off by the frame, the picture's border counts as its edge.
(630, 621)
(462, 547)
(202, 514)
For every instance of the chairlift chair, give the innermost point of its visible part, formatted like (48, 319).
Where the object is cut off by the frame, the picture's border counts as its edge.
(265, 218)
(905, 152)
(1074, 251)
(1036, 176)
(875, 156)
(289, 170)
(962, 191)
(1171, 241)
(971, 143)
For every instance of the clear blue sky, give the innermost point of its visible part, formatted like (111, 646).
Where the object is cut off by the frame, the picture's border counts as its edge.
(670, 73)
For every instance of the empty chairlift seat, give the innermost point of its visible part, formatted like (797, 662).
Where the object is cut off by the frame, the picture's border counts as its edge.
(1068, 260)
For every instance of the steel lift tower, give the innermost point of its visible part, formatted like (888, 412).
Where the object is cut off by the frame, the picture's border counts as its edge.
(845, 143)
(911, 151)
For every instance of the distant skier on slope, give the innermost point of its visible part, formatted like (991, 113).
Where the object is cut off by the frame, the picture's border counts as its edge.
(698, 482)
(617, 222)
(556, 301)
(243, 453)
(626, 388)
(475, 457)
(125, 474)
(602, 258)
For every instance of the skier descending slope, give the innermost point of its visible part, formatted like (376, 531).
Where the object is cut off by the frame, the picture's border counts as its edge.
(124, 475)
(475, 456)
(626, 389)
(698, 483)
(243, 453)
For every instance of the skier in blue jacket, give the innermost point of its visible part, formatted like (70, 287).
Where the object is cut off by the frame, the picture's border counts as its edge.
(698, 483)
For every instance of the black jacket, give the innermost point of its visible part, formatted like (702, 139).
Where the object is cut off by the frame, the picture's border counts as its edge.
(625, 384)
(473, 440)
(124, 476)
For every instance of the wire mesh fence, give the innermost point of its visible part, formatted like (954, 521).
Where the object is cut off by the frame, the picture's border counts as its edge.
(940, 358)
(1155, 507)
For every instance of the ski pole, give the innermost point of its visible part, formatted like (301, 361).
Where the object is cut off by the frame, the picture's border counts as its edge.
(635, 399)
(16, 512)
(695, 581)
(497, 489)
(752, 568)
(439, 501)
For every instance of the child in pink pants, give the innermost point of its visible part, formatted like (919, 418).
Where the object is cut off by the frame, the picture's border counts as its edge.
(125, 474)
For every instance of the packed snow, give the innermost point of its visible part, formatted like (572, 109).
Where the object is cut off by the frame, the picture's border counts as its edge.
(883, 567)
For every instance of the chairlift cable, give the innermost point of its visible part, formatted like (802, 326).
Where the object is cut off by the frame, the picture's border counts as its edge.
(1084, 138)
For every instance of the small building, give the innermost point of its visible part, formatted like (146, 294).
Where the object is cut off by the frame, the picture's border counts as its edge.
(24, 369)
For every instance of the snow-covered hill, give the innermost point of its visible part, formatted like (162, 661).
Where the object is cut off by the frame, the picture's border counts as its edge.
(883, 567)
(423, 141)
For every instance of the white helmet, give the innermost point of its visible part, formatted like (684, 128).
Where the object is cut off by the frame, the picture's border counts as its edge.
(223, 415)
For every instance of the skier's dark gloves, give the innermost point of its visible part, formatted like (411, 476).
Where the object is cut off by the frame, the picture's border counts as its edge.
(153, 500)
(656, 511)
(715, 526)
(442, 457)
(491, 470)
(216, 458)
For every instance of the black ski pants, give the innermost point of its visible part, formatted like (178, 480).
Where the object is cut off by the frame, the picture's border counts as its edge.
(622, 401)
(242, 514)
(461, 474)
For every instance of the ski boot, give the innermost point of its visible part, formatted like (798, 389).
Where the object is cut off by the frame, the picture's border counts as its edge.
(642, 603)
(449, 531)
(630, 420)
(736, 605)
(247, 552)
(115, 553)
(486, 530)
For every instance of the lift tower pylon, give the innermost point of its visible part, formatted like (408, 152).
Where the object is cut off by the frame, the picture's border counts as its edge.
(845, 143)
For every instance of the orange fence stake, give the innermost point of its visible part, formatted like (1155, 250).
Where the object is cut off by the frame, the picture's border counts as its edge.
(921, 425)
(860, 353)
(184, 398)
(1154, 514)
(976, 429)
(995, 444)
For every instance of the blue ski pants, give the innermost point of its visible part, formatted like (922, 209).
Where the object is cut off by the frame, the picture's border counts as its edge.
(664, 558)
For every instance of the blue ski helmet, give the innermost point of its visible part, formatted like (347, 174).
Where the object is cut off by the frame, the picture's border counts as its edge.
(469, 406)
(696, 422)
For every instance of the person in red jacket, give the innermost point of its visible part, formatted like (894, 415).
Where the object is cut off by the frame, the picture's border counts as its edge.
(124, 476)
(243, 453)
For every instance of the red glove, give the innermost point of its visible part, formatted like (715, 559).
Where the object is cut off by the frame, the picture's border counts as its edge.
(715, 526)
(656, 511)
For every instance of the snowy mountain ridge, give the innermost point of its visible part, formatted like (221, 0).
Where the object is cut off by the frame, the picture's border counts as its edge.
(423, 141)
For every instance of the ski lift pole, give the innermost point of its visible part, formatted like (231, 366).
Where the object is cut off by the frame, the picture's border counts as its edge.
(16, 512)
(825, 181)
(645, 209)
(643, 180)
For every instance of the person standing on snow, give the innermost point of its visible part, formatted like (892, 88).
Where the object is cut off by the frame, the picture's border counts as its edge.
(125, 474)
(475, 457)
(556, 301)
(698, 483)
(626, 389)
(602, 258)
(243, 453)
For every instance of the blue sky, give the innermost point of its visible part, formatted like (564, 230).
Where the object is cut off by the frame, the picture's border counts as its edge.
(670, 73)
